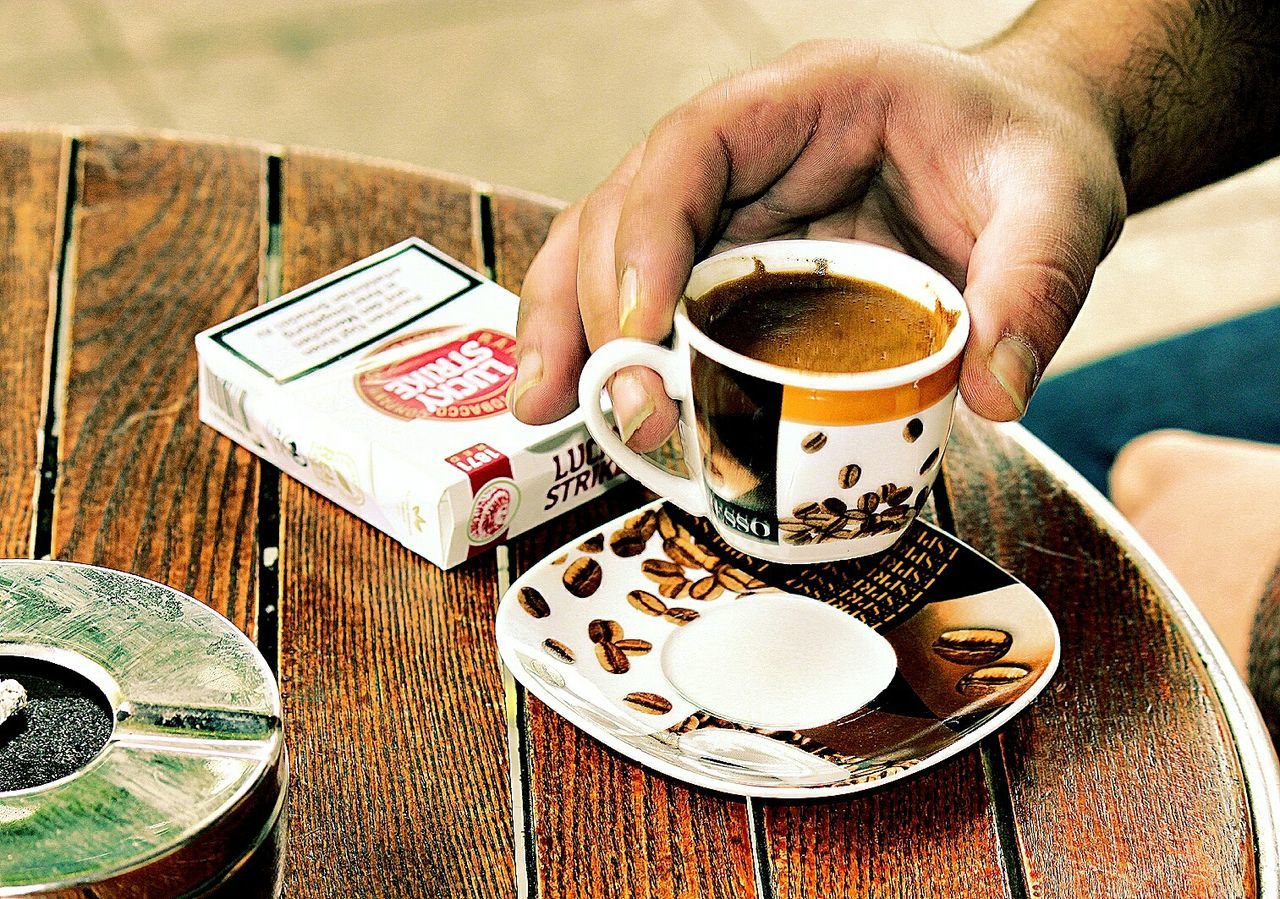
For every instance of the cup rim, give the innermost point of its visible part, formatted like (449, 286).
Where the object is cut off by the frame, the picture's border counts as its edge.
(802, 250)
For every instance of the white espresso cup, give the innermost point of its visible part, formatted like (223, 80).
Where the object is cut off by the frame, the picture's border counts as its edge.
(790, 465)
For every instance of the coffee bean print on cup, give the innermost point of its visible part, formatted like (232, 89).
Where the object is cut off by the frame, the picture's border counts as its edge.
(649, 703)
(928, 463)
(813, 442)
(558, 651)
(986, 681)
(895, 495)
(534, 603)
(849, 476)
(592, 544)
(912, 430)
(973, 645)
(582, 577)
(922, 497)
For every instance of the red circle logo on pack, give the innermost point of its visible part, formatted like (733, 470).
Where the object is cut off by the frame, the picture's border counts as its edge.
(441, 374)
(492, 509)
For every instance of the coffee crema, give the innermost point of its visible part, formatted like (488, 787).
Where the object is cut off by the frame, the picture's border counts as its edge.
(814, 321)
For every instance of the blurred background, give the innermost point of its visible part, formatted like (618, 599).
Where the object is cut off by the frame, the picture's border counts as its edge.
(547, 96)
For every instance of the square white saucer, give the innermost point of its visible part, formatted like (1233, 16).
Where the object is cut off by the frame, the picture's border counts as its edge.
(758, 679)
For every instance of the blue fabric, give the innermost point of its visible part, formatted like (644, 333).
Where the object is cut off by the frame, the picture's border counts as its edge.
(1223, 380)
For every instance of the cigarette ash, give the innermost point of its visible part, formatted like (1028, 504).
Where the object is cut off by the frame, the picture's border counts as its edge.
(60, 726)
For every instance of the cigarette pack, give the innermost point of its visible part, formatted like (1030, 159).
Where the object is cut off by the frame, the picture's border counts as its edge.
(383, 387)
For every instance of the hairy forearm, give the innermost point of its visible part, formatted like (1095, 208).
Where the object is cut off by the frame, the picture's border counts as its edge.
(1188, 89)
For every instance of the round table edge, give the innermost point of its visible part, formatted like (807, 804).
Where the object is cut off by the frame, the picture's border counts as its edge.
(1255, 751)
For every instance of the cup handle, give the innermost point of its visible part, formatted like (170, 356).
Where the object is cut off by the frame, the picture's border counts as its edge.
(672, 367)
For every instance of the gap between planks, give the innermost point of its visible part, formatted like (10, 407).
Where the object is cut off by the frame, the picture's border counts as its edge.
(268, 507)
(61, 299)
(515, 701)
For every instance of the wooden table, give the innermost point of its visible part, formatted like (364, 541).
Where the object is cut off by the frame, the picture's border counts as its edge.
(419, 769)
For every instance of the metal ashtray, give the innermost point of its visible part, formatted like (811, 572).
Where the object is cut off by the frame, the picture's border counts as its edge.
(149, 758)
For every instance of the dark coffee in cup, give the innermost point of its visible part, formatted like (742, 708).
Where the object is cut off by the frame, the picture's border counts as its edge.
(821, 322)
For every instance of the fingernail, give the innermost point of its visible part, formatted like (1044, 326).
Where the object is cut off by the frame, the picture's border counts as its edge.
(528, 374)
(1014, 366)
(628, 298)
(632, 404)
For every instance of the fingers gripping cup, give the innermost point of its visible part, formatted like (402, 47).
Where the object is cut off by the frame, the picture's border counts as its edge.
(816, 380)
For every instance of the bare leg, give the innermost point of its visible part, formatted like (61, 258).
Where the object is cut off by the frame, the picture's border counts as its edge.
(1210, 507)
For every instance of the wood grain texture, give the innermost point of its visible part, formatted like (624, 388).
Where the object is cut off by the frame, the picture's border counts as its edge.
(389, 667)
(933, 835)
(604, 826)
(167, 240)
(1123, 775)
(520, 224)
(31, 212)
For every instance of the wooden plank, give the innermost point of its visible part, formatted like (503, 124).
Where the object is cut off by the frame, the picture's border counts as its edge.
(1122, 775)
(604, 825)
(520, 224)
(32, 203)
(166, 242)
(389, 668)
(931, 836)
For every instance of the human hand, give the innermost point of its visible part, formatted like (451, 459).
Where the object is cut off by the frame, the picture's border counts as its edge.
(1010, 188)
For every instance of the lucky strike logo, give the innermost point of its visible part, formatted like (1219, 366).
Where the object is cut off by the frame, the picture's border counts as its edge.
(463, 377)
(492, 509)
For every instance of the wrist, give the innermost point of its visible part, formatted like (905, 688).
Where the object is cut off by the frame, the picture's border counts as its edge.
(1048, 67)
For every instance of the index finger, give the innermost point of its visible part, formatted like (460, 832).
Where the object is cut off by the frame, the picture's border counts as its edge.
(725, 146)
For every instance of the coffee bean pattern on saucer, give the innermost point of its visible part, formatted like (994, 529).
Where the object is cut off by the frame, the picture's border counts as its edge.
(612, 649)
(985, 681)
(612, 658)
(671, 563)
(973, 645)
(832, 519)
(631, 538)
(649, 703)
(582, 577)
(558, 651)
(678, 615)
(647, 603)
(534, 603)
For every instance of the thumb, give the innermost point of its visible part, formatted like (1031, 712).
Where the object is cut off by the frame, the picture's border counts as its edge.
(1028, 276)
